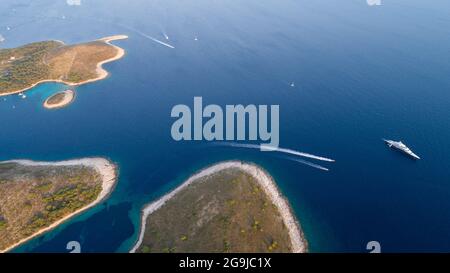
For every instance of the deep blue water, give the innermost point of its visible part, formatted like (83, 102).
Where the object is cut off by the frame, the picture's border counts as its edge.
(361, 73)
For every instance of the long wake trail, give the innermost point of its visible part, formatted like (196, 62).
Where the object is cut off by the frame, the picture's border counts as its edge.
(113, 23)
(156, 40)
(147, 36)
(317, 166)
(285, 151)
(274, 149)
(293, 152)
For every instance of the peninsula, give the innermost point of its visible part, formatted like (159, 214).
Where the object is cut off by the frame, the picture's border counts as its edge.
(229, 207)
(35, 197)
(26, 66)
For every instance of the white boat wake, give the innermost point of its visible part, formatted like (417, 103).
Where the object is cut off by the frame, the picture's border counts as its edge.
(148, 36)
(293, 152)
(158, 41)
(317, 166)
(281, 150)
(113, 23)
(274, 149)
(153, 39)
(165, 35)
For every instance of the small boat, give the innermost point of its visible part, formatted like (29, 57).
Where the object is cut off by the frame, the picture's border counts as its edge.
(292, 84)
(401, 147)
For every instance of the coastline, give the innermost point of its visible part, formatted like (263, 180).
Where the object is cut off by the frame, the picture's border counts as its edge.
(104, 167)
(298, 241)
(101, 73)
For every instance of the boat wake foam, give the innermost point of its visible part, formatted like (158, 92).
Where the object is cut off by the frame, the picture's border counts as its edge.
(274, 149)
(310, 164)
(281, 150)
(148, 36)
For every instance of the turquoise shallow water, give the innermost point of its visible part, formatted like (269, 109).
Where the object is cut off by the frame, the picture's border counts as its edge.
(361, 73)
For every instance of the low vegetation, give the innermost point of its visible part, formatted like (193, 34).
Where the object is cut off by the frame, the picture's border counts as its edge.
(225, 212)
(34, 197)
(24, 66)
(57, 98)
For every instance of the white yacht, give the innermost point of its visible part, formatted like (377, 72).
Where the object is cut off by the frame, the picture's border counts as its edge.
(402, 147)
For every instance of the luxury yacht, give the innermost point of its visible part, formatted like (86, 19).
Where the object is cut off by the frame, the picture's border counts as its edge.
(402, 147)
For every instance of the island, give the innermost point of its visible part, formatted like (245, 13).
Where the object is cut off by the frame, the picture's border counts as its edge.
(26, 66)
(35, 197)
(229, 207)
(60, 99)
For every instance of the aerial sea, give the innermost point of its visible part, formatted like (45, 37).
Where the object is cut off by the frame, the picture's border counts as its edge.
(361, 72)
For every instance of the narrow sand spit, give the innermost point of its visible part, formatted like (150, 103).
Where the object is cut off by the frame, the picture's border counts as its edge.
(299, 243)
(105, 168)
